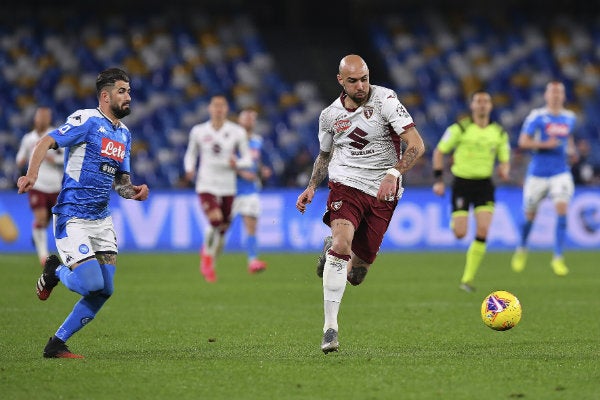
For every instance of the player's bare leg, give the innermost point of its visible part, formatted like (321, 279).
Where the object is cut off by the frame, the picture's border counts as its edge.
(39, 233)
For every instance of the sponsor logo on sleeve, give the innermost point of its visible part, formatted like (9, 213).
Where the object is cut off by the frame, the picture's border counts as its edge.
(113, 149)
(402, 111)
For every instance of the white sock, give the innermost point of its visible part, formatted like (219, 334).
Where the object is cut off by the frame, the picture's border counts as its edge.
(334, 284)
(211, 240)
(331, 309)
(220, 243)
(40, 239)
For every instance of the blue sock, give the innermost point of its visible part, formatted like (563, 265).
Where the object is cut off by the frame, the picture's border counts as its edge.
(85, 279)
(251, 247)
(88, 306)
(560, 234)
(108, 273)
(84, 311)
(525, 230)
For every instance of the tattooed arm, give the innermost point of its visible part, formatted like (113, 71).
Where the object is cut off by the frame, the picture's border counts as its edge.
(319, 173)
(414, 149)
(127, 190)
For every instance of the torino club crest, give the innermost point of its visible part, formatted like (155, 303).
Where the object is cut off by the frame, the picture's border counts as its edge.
(336, 205)
(368, 112)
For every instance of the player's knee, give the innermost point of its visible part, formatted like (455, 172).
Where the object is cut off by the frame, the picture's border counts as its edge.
(215, 223)
(357, 275)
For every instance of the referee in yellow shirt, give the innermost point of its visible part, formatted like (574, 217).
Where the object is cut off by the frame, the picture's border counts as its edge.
(475, 143)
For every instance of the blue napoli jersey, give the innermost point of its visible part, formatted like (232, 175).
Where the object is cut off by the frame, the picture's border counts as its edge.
(95, 150)
(541, 124)
(245, 186)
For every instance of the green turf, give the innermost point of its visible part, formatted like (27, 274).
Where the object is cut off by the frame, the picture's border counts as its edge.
(406, 333)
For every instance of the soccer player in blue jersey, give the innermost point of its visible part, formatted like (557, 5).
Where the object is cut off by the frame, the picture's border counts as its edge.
(247, 201)
(97, 158)
(547, 132)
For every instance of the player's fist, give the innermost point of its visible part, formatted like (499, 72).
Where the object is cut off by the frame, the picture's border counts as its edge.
(141, 192)
(439, 188)
(24, 184)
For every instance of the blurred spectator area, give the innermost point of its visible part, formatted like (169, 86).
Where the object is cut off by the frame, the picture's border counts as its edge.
(436, 60)
(176, 63)
(178, 57)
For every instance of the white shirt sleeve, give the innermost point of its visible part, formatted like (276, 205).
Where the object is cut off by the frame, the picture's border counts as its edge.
(395, 113)
(325, 132)
(23, 153)
(245, 158)
(191, 154)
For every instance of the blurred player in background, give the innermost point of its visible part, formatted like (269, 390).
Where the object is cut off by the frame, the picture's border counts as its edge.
(475, 143)
(217, 142)
(98, 158)
(43, 195)
(547, 132)
(247, 201)
(361, 135)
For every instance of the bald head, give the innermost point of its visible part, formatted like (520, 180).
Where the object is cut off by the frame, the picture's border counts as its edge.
(353, 76)
(353, 64)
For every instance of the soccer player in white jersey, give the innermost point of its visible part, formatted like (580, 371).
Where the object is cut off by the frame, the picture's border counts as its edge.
(222, 147)
(45, 191)
(97, 158)
(247, 201)
(547, 132)
(367, 141)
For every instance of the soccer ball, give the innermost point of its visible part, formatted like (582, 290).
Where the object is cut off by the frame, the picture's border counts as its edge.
(501, 310)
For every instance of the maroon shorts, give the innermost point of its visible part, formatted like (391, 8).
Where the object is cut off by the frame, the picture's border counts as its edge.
(369, 216)
(209, 202)
(39, 199)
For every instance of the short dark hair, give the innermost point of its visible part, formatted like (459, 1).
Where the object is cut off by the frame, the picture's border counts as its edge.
(108, 77)
(478, 91)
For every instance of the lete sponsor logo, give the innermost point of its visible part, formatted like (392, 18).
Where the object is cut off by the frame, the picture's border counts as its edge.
(113, 149)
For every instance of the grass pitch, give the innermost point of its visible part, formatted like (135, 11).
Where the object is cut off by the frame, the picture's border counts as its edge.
(407, 332)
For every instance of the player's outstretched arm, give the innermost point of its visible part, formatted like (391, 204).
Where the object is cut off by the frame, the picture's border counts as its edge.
(127, 190)
(438, 169)
(319, 173)
(26, 182)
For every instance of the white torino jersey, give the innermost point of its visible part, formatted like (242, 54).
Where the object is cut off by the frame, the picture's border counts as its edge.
(365, 142)
(51, 169)
(215, 148)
